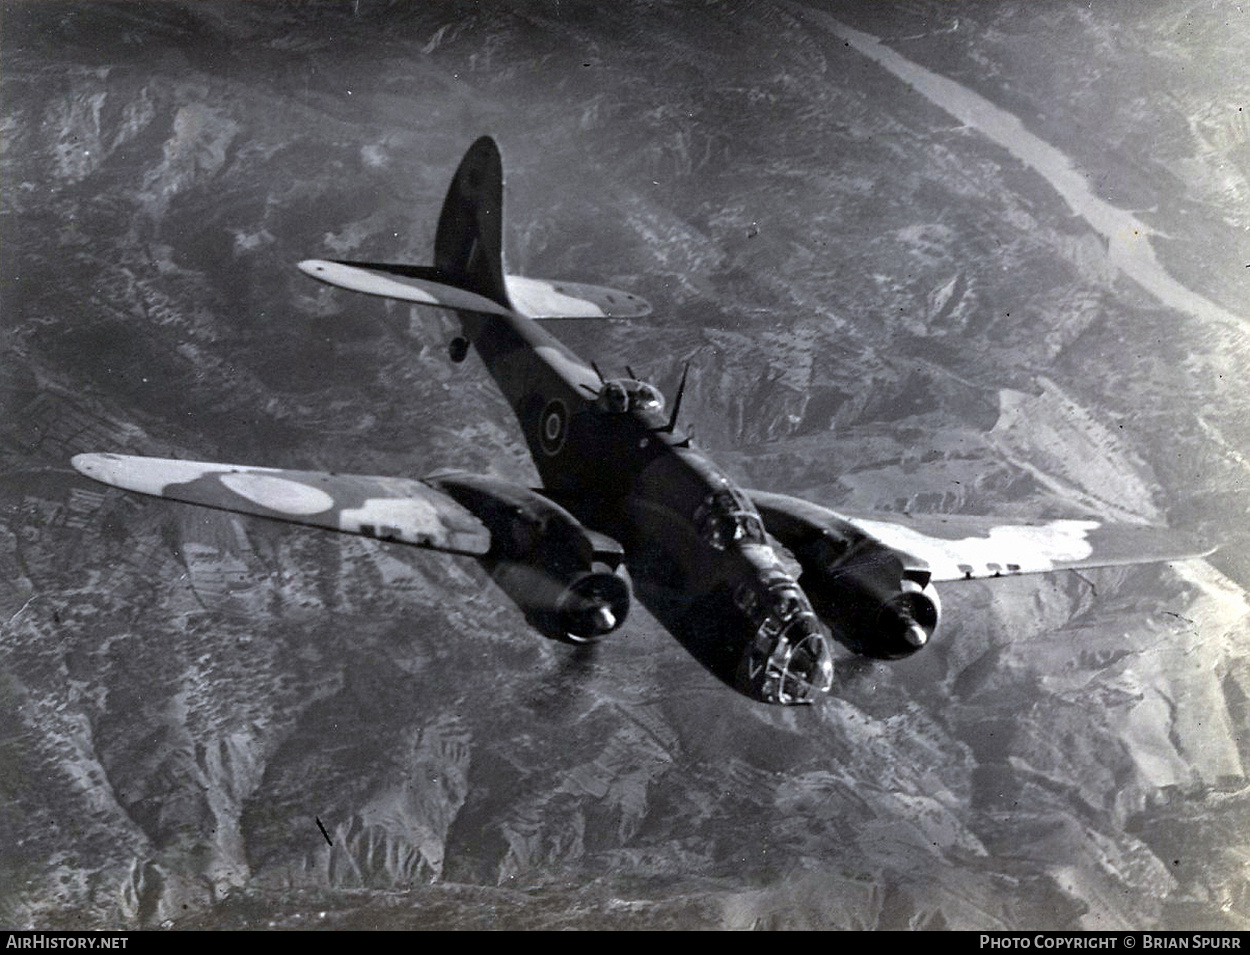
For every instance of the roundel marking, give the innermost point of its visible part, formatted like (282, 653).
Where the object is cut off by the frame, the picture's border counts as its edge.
(551, 426)
(281, 494)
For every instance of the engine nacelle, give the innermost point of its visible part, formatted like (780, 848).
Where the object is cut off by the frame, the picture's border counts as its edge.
(567, 579)
(904, 624)
(876, 600)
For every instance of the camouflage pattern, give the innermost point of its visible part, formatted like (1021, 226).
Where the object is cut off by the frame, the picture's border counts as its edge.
(969, 547)
(392, 509)
(536, 299)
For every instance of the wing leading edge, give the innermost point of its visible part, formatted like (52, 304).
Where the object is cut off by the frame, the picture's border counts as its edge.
(963, 547)
(392, 509)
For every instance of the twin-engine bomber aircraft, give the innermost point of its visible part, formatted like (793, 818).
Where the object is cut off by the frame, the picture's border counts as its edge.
(624, 488)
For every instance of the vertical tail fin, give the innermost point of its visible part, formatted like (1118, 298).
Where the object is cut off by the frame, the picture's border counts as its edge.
(468, 246)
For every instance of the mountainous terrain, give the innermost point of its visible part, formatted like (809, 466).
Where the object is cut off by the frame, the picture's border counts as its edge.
(883, 307)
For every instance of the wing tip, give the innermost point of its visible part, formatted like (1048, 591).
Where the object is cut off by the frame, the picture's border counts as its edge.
(92, 463)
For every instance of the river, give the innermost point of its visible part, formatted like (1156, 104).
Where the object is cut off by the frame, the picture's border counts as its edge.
(1128, 238)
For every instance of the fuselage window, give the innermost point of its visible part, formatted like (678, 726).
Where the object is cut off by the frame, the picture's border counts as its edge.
(786, 604)
(746, 598)
(750, 528)
(723, 519)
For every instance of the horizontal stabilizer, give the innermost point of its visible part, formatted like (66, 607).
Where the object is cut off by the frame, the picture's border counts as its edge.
(392, 509)
(963, 547)
(542, 299)
(425, 286)
(533, 298)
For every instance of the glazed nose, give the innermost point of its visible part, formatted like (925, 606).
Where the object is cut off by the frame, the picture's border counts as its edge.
(811, 663)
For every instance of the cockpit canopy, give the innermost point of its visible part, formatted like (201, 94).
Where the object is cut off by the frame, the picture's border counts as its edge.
(625, 394)
(726, 516)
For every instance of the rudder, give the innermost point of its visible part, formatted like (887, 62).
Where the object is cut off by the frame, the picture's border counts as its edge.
(468, 246)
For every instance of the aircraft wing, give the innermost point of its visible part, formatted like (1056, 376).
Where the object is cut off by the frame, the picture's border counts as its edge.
(392, 509)
(964, 547)
(538, 299)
